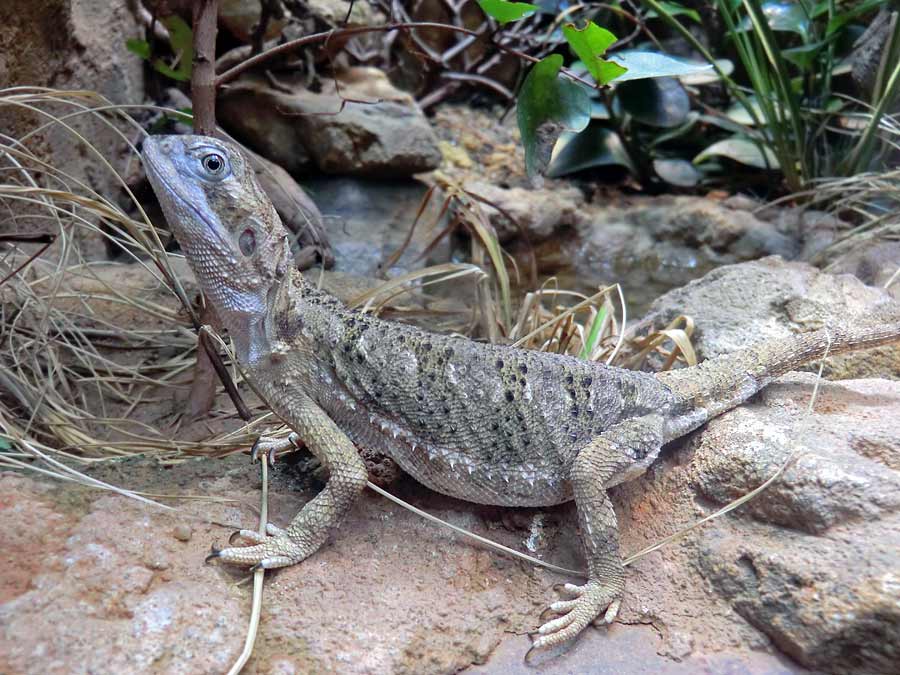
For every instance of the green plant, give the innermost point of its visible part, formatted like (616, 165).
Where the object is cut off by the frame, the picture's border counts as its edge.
(553, 102)
(793, 113)
(181, 41)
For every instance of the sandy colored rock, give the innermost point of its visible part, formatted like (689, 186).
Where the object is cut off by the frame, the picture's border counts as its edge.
(100, 580)
(241, 17)
(537, 213)
(70, 45)
(384, 135)
(737, 305)
(830, 600)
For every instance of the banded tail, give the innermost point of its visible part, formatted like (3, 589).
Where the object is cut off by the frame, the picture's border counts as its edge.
(719, 384)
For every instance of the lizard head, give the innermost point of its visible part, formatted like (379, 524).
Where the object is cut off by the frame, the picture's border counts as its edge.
(225, 223)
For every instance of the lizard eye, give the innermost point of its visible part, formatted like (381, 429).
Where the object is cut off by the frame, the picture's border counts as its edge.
(247, 242)
(214, 163)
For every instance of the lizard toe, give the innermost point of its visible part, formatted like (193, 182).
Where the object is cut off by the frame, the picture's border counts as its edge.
(265, 448)
(269, 552)
(591, 600)
(249, 535)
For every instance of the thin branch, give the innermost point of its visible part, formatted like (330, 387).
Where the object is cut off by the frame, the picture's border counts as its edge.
(293, 45)
(203, 77)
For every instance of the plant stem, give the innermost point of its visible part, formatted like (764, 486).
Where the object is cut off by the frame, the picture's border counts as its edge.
(203, 77)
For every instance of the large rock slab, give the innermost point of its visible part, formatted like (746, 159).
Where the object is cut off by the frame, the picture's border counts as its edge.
(536, 213)
(738, 305)
(821, 577)
(367, 127)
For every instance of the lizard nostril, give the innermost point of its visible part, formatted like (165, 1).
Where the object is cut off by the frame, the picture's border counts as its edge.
(165, 147)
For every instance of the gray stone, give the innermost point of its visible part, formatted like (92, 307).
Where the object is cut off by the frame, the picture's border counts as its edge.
(829, 482)
(876, 262)
(829, 600)
(70, 45)
(241, 17)
(738, 305)
(368, 128)
(536, 213)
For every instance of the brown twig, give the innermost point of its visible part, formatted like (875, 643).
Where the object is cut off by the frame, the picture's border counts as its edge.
(292, 45)
(203, 77)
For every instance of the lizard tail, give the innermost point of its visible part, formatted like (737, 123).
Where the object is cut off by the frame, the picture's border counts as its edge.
(721, 383)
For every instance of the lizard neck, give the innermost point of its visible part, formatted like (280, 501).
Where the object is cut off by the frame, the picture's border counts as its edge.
(248, 335)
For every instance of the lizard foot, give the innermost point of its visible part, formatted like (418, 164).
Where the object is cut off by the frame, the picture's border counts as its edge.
(267, 447)
(590, 600)
(275, 549)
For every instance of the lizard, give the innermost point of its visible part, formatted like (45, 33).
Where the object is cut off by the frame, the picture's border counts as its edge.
(485, 423)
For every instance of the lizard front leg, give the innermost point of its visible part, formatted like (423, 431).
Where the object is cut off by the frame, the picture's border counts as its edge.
(311, 527)
(609, 456)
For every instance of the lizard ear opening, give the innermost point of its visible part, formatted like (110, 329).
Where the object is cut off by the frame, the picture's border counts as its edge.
(247, 242)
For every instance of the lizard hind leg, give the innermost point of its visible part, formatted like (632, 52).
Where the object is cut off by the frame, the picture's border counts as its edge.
(597, 464)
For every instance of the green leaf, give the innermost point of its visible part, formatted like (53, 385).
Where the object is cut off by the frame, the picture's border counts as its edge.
(504, 11)
(593, 334)
(548, 105)
(741, 150)
(739, 113)
(595, 146)
(182, 40)
(674, 9)
(139, 47)
(642, 65)
(781, 16)
(590, 43)
(660, 102)
(804, 56)
(679, 172)
(5, 444)
(708, 76)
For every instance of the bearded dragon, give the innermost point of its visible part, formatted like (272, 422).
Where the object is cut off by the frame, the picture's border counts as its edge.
(485, 423)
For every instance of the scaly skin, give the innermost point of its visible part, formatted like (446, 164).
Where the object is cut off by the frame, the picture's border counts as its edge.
(485, 423)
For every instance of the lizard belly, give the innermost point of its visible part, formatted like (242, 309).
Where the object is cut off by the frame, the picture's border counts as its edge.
(457, 472)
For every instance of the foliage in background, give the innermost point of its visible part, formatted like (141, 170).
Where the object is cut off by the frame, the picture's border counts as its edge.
(181, 42)
(790, 115)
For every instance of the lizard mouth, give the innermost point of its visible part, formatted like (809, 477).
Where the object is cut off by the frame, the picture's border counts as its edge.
(165, 190)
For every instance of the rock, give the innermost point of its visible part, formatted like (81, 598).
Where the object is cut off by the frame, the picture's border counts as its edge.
(829, 600)
(537, 213)
(652, 244)
(388, 137)
(254, 119)
(875, 262)
(843, 471)
(104, 590)
(738, 305)
(70, 45)
(241, 17)
(334, 12)
(729, 235)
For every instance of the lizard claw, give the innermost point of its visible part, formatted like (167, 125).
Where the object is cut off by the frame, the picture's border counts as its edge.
(266, 447)
(591, 599)
(213, 553)
(276, 548)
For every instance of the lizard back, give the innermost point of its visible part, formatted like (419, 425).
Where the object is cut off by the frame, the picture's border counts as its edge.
(481, 422)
